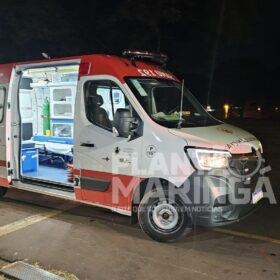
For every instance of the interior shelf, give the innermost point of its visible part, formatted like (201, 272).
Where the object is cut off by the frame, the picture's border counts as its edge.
(62, 102)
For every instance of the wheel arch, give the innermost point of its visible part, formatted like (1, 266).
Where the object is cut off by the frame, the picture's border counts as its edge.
(140, 191)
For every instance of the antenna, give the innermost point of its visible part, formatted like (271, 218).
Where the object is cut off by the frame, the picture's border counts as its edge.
(46, 56)
(181, 105)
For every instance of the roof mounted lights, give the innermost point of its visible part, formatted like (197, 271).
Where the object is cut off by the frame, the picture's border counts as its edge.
(157, 58)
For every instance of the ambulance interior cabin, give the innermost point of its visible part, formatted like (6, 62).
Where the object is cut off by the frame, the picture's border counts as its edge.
(47, 98)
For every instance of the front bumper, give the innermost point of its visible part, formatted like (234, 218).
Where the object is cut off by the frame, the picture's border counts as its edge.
(224, 196)
(218, 200)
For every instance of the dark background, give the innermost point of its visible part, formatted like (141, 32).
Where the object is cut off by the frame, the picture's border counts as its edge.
(227, 50)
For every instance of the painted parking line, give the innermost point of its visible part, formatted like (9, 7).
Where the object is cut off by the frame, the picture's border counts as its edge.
(246, 235)
(34, 219)
(26, 222)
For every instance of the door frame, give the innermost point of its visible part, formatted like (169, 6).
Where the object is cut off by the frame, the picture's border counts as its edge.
(102, 177)
(4, 127)
(16, 121)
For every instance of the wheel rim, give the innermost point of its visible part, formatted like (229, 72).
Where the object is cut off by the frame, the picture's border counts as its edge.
(164, 216)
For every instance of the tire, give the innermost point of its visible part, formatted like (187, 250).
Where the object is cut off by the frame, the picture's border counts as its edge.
(2, 191)
(163, 219)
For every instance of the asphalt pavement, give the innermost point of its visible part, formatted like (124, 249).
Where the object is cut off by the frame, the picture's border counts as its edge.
(93, 243)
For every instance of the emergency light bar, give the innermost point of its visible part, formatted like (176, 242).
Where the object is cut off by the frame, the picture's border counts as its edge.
(157, 58)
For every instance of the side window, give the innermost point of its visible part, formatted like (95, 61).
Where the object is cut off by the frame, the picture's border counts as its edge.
(102, 99)
(2, 103)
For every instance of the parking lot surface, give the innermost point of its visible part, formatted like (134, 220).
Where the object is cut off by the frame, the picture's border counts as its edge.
(94, 243)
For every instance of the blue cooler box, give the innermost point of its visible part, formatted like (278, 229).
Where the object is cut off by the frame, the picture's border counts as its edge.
(29, 159)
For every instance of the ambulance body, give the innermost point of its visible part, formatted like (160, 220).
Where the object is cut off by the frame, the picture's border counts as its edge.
(133, 138)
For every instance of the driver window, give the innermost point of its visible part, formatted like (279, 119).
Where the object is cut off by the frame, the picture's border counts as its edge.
(102, 100)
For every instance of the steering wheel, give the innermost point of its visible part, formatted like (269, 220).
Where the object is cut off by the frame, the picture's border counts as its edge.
(173, 110)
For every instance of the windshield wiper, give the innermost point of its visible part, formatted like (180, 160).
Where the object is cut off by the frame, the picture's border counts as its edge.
(174, 123)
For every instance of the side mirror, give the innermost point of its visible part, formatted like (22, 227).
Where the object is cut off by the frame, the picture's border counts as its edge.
(124, 123)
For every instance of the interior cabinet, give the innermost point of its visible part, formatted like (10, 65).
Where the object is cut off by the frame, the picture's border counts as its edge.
(62, 100)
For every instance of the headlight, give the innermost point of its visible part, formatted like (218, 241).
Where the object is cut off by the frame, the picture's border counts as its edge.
(204, 159)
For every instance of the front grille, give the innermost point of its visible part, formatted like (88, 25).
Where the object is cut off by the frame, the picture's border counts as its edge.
(246, 168)
(245, 165)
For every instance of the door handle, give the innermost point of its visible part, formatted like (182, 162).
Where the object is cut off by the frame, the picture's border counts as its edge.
(15, 124)
(89, 145)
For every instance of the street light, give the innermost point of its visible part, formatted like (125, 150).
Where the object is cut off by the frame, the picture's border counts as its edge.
(226, 108)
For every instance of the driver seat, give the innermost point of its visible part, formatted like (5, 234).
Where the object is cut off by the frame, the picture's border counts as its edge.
(96, 114)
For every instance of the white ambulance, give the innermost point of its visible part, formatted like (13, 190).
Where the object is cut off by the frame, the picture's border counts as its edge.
(124, 133)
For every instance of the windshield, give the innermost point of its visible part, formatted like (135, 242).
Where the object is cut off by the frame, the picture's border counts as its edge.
(162, 101)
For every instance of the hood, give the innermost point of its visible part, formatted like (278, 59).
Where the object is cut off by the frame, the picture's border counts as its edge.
(221, 137)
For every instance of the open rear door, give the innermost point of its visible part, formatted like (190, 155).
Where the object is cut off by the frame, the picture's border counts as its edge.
(4, 123)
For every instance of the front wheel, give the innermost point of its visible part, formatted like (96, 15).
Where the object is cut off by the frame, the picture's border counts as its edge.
(2, 191)
(162, 218)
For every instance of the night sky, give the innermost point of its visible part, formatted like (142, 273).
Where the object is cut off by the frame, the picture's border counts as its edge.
(226, 50)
